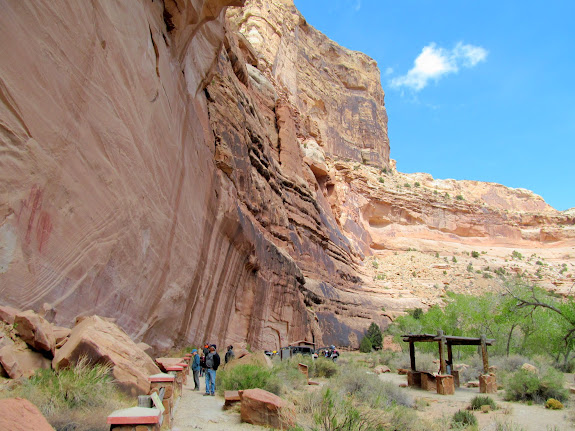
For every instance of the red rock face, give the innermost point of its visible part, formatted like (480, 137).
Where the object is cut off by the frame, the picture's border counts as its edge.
(110, 200)
(184, 179)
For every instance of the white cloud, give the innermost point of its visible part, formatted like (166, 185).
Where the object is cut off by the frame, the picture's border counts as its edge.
(435, 62)
(357, 5)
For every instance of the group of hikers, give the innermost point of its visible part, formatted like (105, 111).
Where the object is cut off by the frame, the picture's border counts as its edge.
(207, 363)
(329, 353)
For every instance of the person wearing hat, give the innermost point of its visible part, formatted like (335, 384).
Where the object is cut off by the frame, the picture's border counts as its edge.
(212, 364)
(196, 369)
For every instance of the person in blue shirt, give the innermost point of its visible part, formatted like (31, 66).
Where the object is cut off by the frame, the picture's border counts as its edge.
(196, 369)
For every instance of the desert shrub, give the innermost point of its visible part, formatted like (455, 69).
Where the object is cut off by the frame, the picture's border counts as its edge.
(287, 376)
(365, 345)
(508, 363)
(523, 385)
(247, 376)
(325, 368)
(367, 388)
(81, 396)
(463, 418)
(482, 400)
(508, 426)
(553, 404)
(333, 413)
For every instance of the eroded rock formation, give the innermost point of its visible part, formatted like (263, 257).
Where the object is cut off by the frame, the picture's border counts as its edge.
(208, 179)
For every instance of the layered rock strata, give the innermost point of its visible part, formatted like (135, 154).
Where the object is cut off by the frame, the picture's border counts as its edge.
(203, 179)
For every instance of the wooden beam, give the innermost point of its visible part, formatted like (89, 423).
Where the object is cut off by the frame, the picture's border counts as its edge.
(412, 355)
(484, 354)
(441, 342)
(450, 358)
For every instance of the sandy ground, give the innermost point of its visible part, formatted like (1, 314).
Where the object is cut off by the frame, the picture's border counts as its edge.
(529, 418)
(196, 412)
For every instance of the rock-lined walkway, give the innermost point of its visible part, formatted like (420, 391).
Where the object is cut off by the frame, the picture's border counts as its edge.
(196, 412)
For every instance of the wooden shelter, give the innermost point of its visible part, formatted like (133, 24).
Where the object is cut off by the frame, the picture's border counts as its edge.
(446, 364)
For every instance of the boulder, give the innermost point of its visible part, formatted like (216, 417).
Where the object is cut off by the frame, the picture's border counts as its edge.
(104, 342)
(380, 369)
(61, 335)
(21, 415)
(261, 407)
(473, 384)
(20, 361)
(146, 348)
(35, 331)
(258, 358)
(530, 368)
(7, 314)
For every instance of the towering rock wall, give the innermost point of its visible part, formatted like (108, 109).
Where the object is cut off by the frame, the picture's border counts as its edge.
(110, 202)
(199, 178)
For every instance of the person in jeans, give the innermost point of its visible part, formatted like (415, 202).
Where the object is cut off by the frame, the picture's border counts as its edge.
(212, 364)
(196, 369)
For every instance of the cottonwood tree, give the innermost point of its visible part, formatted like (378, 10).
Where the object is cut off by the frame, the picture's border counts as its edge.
(558, 331)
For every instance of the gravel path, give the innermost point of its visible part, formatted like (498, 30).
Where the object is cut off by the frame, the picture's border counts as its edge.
(196, 412)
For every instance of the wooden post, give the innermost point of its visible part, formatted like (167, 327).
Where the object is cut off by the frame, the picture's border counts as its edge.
(412, 355)
(441, 352)
(450, 358)
(484, 353)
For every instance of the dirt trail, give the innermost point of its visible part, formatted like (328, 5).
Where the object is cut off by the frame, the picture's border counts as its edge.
(528, 418)
(196, 412)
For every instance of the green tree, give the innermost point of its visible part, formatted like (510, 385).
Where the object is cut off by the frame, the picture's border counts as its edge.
(365, 345)
(375, 336)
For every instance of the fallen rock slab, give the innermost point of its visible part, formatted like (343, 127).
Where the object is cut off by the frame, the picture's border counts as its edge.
(61, 335)
(380, 369)
(7, 314)
(35, 331)
(19, 361)
(104, 342)
(261, 407)
(18, 414)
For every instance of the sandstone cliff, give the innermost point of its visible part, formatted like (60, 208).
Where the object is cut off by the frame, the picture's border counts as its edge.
(202, 178)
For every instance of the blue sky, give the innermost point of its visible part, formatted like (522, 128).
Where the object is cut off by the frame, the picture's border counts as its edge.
(479, 90)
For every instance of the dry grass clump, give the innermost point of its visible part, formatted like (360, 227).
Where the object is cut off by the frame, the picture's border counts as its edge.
(78, 398)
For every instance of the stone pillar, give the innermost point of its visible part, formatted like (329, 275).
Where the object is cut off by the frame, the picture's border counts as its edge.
(186, 370)
(166, 381)
(414, 379)
(178, 372)
(455, 375)
(428, 382)
(444, 384)
(303, 368)
(135, 419)
(487, 384)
